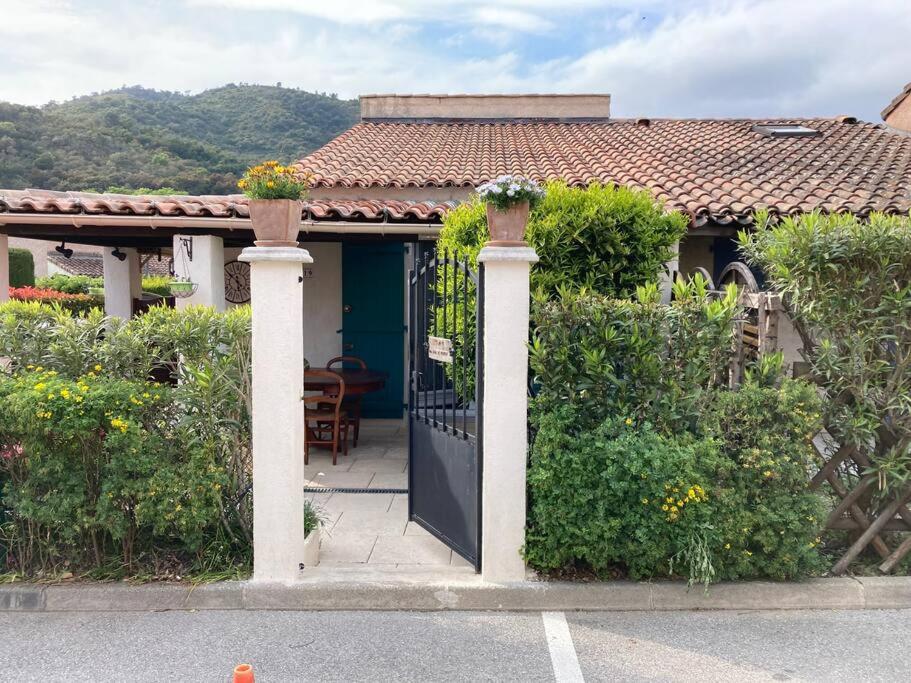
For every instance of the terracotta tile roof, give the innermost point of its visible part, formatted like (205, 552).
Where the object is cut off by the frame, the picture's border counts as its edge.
(215, 206)
(90, 263)
(897, 100)
(715, 170)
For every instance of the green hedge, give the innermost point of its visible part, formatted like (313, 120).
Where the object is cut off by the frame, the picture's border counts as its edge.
(644, 462)
(109, 473)
(608, 238)
(21, 268)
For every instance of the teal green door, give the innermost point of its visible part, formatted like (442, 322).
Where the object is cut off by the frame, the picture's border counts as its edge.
(373, 319)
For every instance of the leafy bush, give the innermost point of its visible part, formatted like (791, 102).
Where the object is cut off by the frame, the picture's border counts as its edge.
(638, 359)
(74, 303)
(847, 286)
(69, 284)
(731, 503)
(80, 284)
(644, 459)
(606, 238)
(109, 461)
(21, 268)
(157, 284)
(99, 465)
(603, 238)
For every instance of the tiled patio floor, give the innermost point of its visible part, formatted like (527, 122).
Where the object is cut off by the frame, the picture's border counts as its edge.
(372, 529)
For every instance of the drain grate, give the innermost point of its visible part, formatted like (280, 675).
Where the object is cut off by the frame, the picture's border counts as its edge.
(342, 489)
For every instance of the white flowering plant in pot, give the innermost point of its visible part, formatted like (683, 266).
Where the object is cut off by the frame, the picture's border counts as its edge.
(509, 190)
(509, 198)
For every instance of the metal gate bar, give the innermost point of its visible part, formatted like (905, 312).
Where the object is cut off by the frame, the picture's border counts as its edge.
(445, 469)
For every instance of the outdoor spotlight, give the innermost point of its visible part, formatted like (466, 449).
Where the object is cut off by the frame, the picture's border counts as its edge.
(119, 255)
(67, 253)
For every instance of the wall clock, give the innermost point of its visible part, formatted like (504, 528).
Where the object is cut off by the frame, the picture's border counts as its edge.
(237, 282)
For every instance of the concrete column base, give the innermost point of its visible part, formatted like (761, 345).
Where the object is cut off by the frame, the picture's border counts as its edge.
(505, 410)
(278, 412)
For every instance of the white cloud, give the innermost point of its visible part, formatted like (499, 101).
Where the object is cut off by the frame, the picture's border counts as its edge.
(763, 58)
(520, 15)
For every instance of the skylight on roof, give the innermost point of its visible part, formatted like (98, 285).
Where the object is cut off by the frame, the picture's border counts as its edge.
(785, 130)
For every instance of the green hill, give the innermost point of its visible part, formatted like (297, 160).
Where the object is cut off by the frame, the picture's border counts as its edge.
(135, 137)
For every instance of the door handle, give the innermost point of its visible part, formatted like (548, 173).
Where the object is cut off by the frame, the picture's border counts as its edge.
(347, 308)
(348, 347)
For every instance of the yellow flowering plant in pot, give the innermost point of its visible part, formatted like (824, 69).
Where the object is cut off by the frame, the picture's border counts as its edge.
(275, 193)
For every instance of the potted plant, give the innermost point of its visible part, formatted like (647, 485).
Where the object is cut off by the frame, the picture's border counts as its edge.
(313, 523)
(275, 193)
(509, 199)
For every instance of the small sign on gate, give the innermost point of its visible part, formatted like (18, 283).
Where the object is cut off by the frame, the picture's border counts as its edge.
(439, 349)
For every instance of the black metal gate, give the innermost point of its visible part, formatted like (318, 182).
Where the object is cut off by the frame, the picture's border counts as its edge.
(444, 401)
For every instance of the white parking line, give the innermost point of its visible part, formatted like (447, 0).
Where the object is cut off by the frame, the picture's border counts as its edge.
(562, 651)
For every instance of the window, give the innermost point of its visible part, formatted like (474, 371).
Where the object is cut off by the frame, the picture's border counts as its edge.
(784, 130)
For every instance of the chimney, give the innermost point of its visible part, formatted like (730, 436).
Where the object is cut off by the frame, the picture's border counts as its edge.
(898, 113)
(484, 107)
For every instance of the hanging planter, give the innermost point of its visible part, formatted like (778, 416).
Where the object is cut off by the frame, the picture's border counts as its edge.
(509, 200)
(182, 288)
(275, 193)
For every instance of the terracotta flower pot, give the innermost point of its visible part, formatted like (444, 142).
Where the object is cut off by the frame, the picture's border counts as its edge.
(276, 222)
(507, 227)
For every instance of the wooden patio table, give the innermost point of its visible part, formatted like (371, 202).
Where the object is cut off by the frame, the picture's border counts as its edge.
(357, 382)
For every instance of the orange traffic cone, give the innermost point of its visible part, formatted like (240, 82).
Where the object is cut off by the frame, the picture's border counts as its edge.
(243, 673)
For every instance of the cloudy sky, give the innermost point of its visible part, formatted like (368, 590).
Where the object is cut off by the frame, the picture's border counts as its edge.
(656, 57)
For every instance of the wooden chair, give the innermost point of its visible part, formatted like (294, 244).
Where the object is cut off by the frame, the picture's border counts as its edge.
(329, 426)
(352, 404)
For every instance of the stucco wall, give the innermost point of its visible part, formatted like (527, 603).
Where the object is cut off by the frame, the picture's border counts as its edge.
(323, 303)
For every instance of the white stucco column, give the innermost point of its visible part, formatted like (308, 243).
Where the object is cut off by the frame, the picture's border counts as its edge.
(505, 410)
(4, 267)
(278, 413)
(671, 268)
(122, 282)
(206, 269)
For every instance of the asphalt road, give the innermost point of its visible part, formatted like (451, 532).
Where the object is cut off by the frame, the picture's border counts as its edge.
(457, 646)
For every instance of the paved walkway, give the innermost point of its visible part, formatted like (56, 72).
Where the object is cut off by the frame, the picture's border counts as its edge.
(457, 646)
(373, 528)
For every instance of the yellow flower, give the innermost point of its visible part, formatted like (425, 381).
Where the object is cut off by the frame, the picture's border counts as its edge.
(78, 399)
(97, 367)
(39, 369)
(41, 386)
(645, 501)
(664, 507)
(629, 421)
(727, 546)
(269, 183)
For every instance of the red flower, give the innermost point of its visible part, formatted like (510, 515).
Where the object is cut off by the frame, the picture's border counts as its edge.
(34, 294)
